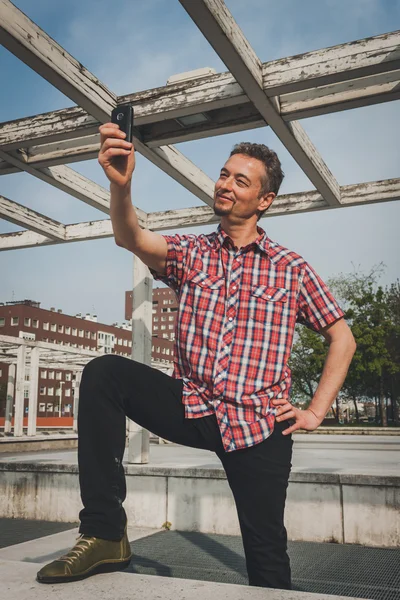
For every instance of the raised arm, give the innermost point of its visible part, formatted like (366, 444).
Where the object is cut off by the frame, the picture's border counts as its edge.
(117, 158)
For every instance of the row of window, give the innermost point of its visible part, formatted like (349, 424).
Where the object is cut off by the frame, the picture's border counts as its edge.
(155, 319)
(69, 344)
(163, 327)
(28, 322)
(51, 408)
(50, 391)
(58, 375)
(166, 351)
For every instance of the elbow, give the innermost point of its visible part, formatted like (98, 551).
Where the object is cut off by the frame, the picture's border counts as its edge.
(119, 242)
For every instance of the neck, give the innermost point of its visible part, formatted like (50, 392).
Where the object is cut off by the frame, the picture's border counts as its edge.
(241, 234)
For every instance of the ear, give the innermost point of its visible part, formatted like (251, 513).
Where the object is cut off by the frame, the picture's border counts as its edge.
(266, 201)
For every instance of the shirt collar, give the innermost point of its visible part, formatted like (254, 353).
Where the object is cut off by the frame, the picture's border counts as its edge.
(262, 241)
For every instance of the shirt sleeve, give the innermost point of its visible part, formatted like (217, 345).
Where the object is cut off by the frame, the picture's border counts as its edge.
(176, 261)
(317, 308)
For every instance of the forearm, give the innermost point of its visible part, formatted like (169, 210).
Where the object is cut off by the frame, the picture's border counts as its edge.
(123, 216)
(333, 375)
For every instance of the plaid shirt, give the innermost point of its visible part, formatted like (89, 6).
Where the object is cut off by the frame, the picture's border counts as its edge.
(234, 331)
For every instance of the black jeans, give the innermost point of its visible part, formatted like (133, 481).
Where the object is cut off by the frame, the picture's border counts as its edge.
(112, 388)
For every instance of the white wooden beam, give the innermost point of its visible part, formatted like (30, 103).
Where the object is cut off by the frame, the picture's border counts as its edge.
(218, 26)
(352, 195)
(33, 46)
(34, 221)
(19, 391)
(72, 183)
(371, 60)
(39, 51)
(33, 391)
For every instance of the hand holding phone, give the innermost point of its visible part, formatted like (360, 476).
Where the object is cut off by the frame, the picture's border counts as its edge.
(122, 115)
(117, 156)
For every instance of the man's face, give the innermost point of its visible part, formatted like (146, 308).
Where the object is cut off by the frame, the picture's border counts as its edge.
(237, 191)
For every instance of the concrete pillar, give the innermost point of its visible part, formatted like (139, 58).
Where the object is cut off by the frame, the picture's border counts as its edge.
(139, 438)
(19, 392)
(9, 398)
(78, 376)
(33, 391)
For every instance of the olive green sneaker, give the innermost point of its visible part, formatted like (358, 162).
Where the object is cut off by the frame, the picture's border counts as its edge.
(89, 556)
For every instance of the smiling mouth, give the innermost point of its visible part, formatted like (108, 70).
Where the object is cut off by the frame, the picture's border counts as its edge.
(224, 198)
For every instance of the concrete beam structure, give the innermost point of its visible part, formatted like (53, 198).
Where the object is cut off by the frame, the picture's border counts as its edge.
(139, 438)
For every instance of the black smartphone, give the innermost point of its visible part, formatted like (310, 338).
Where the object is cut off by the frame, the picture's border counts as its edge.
(123, 116)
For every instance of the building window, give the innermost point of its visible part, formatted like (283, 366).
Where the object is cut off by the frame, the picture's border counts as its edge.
(156, 328)
(58, 375)
(163, 318)
(125, 342)
(14, 321)
(53, 327)
(42, 390)
(61, 329)
(165, 301)
(162, 327)
(155, 319)
(81, 333)
(50, 391)
(68, 377)
(2, 321)
(93, 335)
(74, 331)
(67, 393)
(35, 323)
(26, 394)
(27, 377)
(42, 407)
(87, 334)
(27, 322)
(51, 374)
(170, 327)
(165, 336)
(68, 331)
(46, 326)
(50, 407)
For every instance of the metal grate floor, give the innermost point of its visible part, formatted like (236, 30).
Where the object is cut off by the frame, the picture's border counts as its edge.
(345, 570)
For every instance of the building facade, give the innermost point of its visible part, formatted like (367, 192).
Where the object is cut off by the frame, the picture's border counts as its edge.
(25, 319)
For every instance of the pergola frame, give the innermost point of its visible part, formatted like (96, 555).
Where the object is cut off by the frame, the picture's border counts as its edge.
(250, 95)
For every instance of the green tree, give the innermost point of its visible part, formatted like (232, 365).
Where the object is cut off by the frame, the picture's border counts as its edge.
(306, 362)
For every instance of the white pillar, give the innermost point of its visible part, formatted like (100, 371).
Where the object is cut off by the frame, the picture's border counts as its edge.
(19, 392)
(9, 398)
(78, 376)
(33, 391)
(139, 438)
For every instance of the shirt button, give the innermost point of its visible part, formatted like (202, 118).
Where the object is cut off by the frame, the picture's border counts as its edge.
(234, 288)
(269, 296)
(230, 319)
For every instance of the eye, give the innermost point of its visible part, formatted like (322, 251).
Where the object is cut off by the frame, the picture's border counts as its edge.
(241, 182)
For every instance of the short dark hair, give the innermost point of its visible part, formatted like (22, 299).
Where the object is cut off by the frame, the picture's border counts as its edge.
(274, 174)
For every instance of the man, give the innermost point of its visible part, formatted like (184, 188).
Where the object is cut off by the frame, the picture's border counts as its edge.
(240, 296)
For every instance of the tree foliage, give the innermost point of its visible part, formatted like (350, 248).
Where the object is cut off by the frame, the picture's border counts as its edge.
(373, 313)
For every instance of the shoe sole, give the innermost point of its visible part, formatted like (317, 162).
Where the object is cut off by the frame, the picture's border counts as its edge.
(106, 567)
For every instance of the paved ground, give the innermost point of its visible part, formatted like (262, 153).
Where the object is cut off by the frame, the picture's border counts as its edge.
(181, 560)
(371, 455)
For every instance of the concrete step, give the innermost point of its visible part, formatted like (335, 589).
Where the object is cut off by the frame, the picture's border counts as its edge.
(18, 581)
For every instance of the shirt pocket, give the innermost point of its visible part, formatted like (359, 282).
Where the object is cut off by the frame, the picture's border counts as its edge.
(202, 291)
(267, 304)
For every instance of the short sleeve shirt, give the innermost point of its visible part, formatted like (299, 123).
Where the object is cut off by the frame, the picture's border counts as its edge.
(238, 308)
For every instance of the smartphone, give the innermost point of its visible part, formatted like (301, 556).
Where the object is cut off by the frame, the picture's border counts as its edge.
(123, 116)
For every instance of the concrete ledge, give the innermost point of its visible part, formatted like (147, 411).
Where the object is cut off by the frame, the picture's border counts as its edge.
(18, 581)
(38, 443)
(321, 507)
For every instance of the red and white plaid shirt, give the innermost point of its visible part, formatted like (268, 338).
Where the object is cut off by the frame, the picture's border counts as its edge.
(234, 331)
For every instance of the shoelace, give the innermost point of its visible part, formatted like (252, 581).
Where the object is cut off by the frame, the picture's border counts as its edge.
(84, 542)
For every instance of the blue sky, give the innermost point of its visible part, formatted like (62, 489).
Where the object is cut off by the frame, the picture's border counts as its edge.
(138, 45)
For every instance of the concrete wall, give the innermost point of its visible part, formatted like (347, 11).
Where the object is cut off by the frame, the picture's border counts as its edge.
(321, 507)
